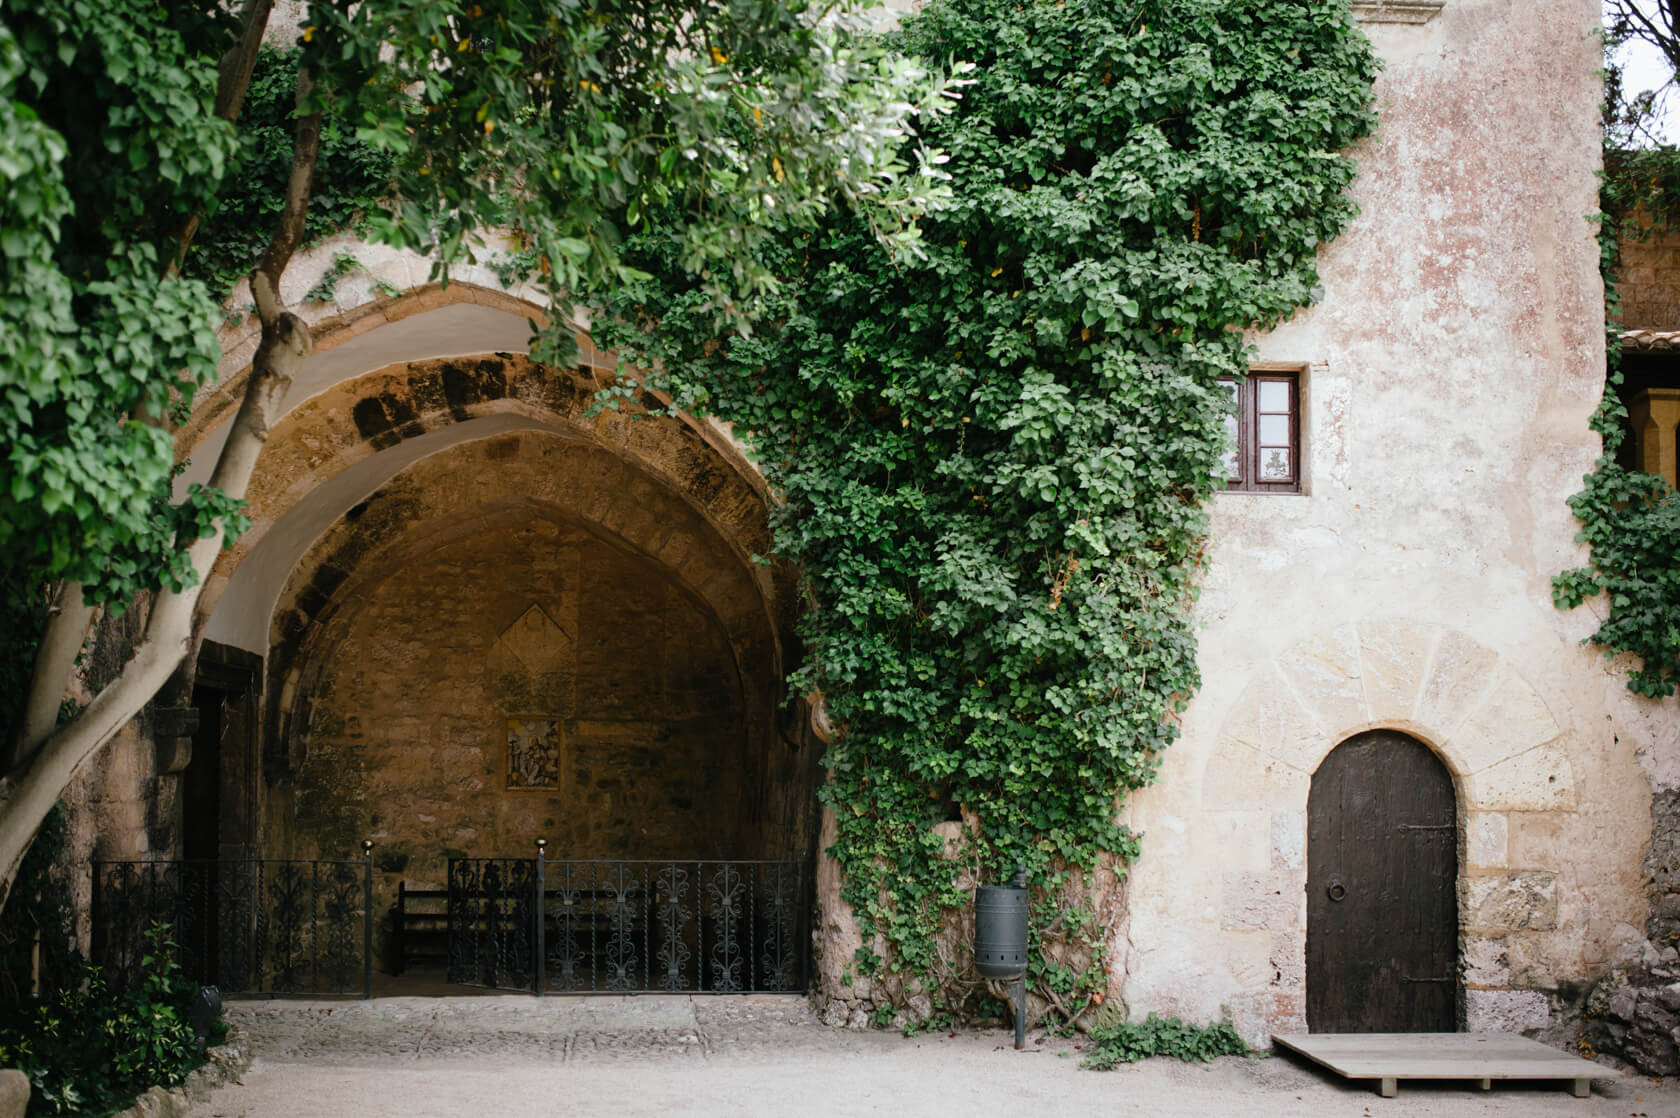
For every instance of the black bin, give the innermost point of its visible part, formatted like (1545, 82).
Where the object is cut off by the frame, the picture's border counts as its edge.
(1000, 931)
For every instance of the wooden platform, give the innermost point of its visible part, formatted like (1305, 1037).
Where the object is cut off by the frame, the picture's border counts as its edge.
(1483, 1057)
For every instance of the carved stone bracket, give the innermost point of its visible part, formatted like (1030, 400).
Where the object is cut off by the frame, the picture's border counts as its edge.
(1397, 11)
(172, 734)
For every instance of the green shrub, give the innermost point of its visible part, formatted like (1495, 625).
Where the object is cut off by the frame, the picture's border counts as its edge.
(90, 1050)
(1129, 1042)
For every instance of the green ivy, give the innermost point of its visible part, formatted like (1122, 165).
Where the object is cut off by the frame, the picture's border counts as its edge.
(1630, 519)
(1129, 1042)
(992, 464)
(351, 178)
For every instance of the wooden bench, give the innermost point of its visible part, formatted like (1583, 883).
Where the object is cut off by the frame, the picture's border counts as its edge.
(420, 926)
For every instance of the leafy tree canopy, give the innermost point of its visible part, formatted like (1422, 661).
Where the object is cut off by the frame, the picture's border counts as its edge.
(568, 122)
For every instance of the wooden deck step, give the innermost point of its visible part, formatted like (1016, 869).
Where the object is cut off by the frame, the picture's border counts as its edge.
(1482, 1057)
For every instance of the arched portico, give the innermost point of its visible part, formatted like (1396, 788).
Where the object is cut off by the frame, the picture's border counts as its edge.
(485, 615)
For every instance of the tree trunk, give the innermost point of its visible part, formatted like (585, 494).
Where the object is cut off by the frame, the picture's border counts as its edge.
(285, 345)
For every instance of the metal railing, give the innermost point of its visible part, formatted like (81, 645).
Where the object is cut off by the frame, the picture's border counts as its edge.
(257, 925)
(628, 926)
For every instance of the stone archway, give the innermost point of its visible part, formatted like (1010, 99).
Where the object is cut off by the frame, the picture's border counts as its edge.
(1491, 729)
(451, 559)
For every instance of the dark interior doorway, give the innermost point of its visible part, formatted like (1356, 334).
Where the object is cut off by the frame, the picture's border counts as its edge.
(201, 782)
(1382, 902)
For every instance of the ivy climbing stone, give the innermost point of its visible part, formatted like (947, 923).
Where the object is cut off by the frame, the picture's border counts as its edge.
(992, 462)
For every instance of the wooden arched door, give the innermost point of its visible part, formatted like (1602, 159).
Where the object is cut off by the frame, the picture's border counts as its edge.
(1382, 901)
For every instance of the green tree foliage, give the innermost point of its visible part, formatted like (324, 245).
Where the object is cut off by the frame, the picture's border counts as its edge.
(106, 146)
(569, 123)
(351, 178)
(992, 462)
(566, 121)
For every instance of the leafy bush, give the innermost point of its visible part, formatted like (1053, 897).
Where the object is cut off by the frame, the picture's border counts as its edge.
(1129, 1042)
(91, 1050)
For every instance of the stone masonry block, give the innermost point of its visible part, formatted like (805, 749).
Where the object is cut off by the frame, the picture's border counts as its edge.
(1513, 719)
(1505, 1011)
(1539, 780)
(1241, 779)
(1487, 839)
(1486, 962)
(1269, 718)
(1324, 673)
(1513, 902)
(1393, 657)
(1288, 956)
(1270, 901)
(1457, 675)
(1289, 840)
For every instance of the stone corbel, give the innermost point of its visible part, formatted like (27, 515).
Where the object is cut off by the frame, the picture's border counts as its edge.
(172, 737)
(1397, 11)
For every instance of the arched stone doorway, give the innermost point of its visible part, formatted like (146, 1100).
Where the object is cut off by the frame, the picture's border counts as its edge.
(481, 615)
(1382, 880)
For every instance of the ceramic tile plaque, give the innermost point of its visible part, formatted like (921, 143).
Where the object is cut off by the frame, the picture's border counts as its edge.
(533, 753)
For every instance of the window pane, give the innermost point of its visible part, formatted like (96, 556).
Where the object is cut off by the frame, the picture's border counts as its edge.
(1274, 464)
(1274, 396)
(1274, 430)
(1228, 461)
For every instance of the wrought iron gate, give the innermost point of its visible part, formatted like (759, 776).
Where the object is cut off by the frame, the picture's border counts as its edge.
(261, 926)
(628, 926)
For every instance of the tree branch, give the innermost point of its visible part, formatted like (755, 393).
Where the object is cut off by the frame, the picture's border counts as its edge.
(285, 345)
(68, 619)
(233, 81)
(288, 232)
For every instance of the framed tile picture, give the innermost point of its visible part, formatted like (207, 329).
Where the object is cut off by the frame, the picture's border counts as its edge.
(533, 753)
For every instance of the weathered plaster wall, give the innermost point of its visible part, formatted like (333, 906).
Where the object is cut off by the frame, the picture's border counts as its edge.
(1449, 374)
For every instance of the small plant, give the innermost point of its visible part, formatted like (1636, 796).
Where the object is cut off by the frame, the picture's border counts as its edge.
(343, 263)
(90, 1050)
(1129, 1042)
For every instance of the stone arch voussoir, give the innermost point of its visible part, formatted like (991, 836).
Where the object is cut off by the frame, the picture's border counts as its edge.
(1492, 729)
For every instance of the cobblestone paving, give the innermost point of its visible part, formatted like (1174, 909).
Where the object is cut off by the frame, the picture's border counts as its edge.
(518, 1029)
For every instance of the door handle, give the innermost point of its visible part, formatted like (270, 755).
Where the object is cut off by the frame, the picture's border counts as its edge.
(1336, 890)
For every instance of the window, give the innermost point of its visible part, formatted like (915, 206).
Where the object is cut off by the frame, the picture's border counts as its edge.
(1263, 454)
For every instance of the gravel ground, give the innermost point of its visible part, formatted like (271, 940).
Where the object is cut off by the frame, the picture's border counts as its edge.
(515, 1056)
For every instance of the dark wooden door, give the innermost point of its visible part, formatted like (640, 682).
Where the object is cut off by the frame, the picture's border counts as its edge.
(1382, 902)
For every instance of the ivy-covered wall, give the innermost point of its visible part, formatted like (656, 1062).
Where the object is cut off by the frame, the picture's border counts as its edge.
(1448, 371)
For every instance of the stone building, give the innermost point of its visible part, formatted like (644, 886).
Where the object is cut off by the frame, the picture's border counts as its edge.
(469, 613)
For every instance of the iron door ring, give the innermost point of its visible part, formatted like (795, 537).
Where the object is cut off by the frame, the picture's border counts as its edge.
(1337, 891)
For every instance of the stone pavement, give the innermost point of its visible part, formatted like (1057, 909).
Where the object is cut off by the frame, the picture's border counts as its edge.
(520, 1056)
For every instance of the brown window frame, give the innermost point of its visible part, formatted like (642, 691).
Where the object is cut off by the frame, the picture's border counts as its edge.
(1248, 433)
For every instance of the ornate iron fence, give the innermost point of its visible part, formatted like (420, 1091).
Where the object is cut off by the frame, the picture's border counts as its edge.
(628, 926)
(268, 926)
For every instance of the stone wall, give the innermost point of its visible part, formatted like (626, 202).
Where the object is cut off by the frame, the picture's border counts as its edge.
(1448, 376)
(545, 628)
(1649, 282)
